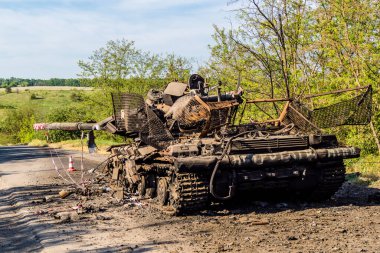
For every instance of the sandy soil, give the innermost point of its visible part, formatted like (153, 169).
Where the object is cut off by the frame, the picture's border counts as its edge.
(29, 203)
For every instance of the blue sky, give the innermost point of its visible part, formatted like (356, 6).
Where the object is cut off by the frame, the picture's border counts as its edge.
(46, 38)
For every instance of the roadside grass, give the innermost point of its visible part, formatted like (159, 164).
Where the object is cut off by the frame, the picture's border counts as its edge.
(364, 170)
(5, 139)
(75, 145)
(42, 101)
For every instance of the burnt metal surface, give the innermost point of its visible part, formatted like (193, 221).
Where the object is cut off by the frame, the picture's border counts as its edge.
(257, 161)
(175, 89)
(66, 126)
(269, 143)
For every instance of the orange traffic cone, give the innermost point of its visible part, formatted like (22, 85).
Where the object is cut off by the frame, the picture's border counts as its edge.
(71, 165)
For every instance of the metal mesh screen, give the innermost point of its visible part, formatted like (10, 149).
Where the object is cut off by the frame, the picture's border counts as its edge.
(154, 132)
(128, 111)
(220, 113)
(299, 116)
(355, 111)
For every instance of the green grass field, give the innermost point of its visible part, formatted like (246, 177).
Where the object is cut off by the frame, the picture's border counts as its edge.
(47, 101)
(44, 102)
(39, 88)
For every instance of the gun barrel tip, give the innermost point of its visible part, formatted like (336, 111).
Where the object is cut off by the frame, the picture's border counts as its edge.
(39, 126)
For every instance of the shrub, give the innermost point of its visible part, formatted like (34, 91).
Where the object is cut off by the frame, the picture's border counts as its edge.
(76, 97)
(18, 124)
(34, 96)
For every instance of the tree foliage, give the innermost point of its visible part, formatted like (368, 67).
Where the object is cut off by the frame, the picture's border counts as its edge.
(288, 48)
(120, 66)
(24, 82)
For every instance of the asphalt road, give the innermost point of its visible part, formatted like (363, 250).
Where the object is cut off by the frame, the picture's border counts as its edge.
(27, 174)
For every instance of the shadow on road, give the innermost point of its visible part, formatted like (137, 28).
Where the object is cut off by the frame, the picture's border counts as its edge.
(18, 230)
(349, 195)
(25, 231)
(22, 153)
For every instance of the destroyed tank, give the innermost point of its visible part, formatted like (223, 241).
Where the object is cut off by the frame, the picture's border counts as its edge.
(191, 148)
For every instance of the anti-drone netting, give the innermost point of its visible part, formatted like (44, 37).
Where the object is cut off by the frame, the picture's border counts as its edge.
(190, 113)
(354, 111)
(220, 113)
(299, 116)
(128, 111)
(154, 131)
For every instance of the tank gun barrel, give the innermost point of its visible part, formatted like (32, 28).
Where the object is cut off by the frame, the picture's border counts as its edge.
(74, 126)
(66, 126)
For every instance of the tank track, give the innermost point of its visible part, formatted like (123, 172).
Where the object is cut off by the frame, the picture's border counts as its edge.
(189, 192)
(331, 179)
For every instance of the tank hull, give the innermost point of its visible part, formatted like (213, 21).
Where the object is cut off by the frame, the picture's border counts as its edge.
(180, 184)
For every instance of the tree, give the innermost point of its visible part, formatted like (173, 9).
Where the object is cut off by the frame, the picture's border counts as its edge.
(176, 68)
(349, 48)
(269, 42)
(293, 47)
(120, 66)
(8, 89)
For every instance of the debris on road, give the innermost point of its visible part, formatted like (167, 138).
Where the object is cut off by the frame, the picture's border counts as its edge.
(67, 216)
(65, 193)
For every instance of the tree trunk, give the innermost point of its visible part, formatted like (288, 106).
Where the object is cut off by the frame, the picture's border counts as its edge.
(375, 136)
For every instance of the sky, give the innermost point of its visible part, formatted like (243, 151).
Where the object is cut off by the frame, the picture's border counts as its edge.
(46, 38)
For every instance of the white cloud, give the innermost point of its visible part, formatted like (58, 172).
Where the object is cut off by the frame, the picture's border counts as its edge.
(48, 42)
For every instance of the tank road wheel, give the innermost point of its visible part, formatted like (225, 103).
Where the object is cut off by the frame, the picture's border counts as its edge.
(162, 191)
(151, 184)
(141, 188)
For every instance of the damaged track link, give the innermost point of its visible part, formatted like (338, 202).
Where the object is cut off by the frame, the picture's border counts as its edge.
(189, 192)
(172, 191)
(331, 179)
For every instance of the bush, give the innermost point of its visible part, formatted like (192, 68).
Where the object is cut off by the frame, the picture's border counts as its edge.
(76, 97)
(18, 124)
(35, 96)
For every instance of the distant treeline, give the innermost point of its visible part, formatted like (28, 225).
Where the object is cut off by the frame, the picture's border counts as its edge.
(14, 82)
